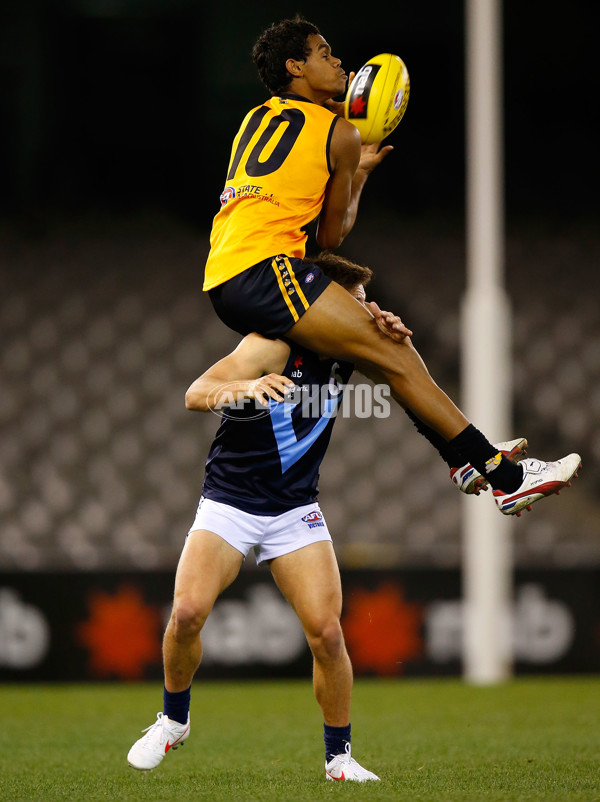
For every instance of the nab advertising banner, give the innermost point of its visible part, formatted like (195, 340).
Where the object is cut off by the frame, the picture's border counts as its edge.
(101, 626)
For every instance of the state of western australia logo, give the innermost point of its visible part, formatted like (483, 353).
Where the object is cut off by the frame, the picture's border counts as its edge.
(227, 195)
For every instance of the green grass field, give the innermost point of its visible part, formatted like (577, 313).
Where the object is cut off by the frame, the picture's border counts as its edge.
(428, 740)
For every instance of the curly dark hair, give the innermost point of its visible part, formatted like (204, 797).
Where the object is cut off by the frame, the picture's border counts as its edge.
(281, 41)
(342, 270)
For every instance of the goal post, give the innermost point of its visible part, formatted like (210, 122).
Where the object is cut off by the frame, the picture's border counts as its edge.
(485, 350)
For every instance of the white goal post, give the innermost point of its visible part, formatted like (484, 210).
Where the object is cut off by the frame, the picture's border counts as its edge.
(486, 345)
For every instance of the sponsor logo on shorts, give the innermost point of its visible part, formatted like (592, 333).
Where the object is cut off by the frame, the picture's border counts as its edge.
(313, 519)
(227, 195)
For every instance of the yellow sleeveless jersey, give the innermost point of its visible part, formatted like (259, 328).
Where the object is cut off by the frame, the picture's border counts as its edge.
(274, 188)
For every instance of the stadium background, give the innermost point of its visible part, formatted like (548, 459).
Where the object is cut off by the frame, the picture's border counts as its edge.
(115, 126)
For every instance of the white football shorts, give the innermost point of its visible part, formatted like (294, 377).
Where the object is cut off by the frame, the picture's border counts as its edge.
(269, 535)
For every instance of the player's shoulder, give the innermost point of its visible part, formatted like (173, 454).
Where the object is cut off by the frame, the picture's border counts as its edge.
(345, 145)
(346, 132)
(291, 100)
(345, 138)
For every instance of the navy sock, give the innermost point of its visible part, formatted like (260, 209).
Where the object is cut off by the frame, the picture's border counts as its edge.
(176, 706)
(477, 449)
(336, 739)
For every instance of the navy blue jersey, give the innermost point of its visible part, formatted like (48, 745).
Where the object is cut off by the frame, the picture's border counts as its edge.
(267, 462)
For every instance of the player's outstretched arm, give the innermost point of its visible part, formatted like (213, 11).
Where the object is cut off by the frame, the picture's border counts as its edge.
(251, 371)
(351, 166)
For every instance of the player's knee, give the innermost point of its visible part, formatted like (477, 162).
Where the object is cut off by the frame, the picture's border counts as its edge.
(327, 643)
(188, 617)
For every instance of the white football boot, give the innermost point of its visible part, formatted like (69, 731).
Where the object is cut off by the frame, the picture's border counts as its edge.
(471, 481)
(161, 736)
(540, 479)
(343, 768)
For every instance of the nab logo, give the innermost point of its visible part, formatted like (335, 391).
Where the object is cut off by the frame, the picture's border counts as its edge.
(227, 195)
(314, 518)
(297, 374)
(362, 78)
(361, 90)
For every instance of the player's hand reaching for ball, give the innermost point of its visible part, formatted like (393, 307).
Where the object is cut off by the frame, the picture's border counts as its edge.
(389, 323)
(371, 156)
(270, 386)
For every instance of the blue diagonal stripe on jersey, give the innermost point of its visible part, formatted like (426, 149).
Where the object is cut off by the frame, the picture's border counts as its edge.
(290, 448)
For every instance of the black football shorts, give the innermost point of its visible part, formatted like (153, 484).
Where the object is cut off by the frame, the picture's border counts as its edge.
(269, 297)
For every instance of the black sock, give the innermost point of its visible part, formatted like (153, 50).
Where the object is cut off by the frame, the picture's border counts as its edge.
(448, 453)
(501, 473)
(336, 739)
(176, 706)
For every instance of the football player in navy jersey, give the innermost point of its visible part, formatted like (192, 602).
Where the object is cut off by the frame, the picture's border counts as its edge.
(260, 491)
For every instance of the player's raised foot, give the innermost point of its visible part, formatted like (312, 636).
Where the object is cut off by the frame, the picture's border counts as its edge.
(470, 481)
(161, 736)
(540, 479)
(342, 768)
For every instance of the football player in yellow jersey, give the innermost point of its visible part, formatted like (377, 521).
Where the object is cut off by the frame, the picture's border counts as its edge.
(296, 158)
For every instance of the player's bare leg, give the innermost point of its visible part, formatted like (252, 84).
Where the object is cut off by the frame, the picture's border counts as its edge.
(309, 578)
(337, 325)
(208, 564)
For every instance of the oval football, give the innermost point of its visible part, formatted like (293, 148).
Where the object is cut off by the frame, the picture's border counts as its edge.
(377, 99)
